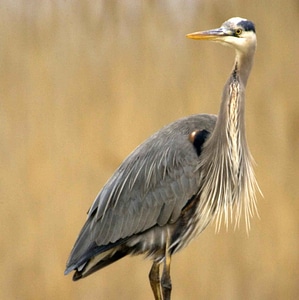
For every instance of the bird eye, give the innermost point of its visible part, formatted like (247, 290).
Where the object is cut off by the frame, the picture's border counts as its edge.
(238, 31)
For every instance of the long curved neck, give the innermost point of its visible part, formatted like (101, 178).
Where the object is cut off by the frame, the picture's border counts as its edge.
(227, 143)
(231, 115)
(226, 161)
(243, 64)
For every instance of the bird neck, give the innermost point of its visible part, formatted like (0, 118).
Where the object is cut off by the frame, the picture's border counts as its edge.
(243, 64)
(226, 161)
(232, 109)
(229, 138)
(230, 123)
(223, 153)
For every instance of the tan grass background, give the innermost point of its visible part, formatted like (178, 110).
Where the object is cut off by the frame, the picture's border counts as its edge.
(84, 82)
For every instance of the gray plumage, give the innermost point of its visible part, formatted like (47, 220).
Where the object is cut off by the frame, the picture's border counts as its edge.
(172, 185)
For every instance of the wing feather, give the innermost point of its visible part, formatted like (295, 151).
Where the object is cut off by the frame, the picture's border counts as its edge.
(150, 187)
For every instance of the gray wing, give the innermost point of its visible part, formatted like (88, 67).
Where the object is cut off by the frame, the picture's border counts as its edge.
(150, 187)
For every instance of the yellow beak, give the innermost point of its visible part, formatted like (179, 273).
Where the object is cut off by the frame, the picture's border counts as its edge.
(212, 34)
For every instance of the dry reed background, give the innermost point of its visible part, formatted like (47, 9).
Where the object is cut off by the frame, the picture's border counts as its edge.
(82, 83)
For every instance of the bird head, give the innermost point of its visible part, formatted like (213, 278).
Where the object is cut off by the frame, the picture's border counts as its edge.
(236, 32)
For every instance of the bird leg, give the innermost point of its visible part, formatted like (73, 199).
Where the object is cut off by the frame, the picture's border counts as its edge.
(166, 280)
(154, 278)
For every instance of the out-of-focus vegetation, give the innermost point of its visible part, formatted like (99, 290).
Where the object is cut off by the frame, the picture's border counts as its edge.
(84, 82)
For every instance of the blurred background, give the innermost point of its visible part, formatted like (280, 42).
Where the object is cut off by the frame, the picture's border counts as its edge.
(82, 83)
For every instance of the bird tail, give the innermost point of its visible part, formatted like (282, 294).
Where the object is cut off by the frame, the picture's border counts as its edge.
(98, 262)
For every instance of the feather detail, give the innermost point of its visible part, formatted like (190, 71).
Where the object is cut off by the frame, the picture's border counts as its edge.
(229, 182)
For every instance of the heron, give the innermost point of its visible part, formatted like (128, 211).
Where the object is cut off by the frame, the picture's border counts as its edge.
(193, 171)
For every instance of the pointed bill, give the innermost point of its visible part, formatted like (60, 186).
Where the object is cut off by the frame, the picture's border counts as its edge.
(212, 34)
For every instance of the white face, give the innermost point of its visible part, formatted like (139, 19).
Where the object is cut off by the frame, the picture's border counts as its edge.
(243, 43)
(236, 32)
(237, 37)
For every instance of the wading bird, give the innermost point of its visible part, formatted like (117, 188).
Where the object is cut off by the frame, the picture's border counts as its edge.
(169, 188)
